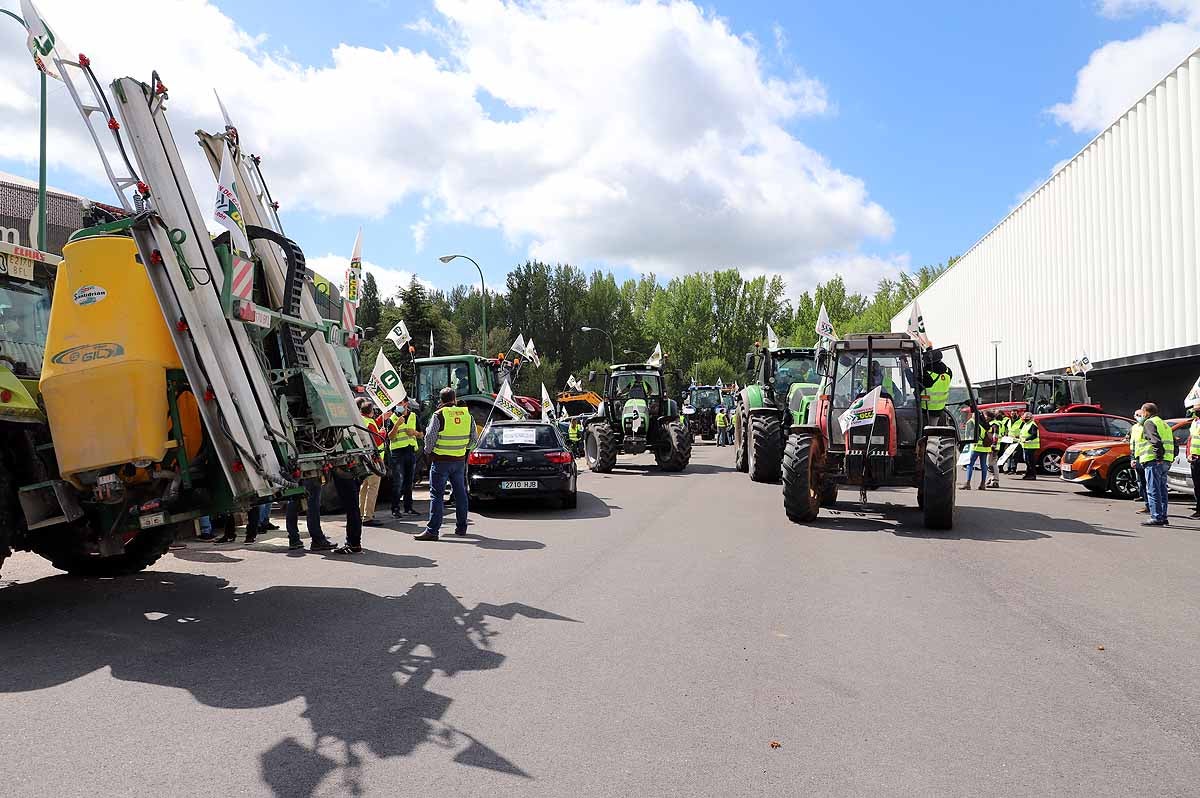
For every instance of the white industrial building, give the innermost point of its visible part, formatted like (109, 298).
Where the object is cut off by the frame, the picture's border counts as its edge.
(1100, 260)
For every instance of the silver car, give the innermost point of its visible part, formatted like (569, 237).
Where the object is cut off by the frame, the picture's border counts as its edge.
(1179, 477)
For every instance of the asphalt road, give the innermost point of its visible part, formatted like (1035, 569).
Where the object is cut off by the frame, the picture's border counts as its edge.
(655, 642)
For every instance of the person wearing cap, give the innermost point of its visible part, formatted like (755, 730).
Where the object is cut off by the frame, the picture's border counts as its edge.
(450, 435)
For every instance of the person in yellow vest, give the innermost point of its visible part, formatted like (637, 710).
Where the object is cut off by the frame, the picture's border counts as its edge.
(998, 427)
(368, 494)
(979, 434)
(722, 427)
(1135, 440)
(575, 436)
(935, 389)
(450, 435)
(1194, 453)
(402, 441)
(1031, 443)
(1013, 429)
(1155, 452)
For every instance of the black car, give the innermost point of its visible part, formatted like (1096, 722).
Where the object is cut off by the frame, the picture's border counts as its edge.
(518, 459)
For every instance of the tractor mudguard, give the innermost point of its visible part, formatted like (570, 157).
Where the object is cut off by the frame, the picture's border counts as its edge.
(752, 399)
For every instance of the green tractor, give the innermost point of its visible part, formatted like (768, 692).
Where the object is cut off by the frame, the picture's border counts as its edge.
(635, 416)
(783, 383)
(26, 279)
(476, 381)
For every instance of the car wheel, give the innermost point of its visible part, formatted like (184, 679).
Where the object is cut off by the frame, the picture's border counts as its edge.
(1123, 481)
(1051, 462)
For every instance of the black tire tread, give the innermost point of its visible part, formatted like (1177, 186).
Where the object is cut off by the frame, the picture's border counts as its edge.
(680, 453)
(66, 554)
(766, 440)
(941, 458)
(740, 443)
(606, 448)
(800, 501)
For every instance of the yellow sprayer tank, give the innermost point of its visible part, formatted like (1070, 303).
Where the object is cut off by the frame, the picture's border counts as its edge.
(107, 354)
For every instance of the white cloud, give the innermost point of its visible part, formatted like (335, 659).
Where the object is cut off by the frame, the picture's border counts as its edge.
(1119, 73)
(645, 134)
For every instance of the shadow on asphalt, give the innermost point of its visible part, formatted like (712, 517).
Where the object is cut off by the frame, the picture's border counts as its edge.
(970, 523)
(654, 470)
(362, 663)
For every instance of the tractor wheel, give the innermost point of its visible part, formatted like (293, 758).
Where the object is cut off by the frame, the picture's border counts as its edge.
(937, 488)
(801, 489)
(766, 447)
(680, 454)
(68, 551)
(740, 454)
(600, 448)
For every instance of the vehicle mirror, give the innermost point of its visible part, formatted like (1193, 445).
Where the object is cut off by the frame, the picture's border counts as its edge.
(749, 362)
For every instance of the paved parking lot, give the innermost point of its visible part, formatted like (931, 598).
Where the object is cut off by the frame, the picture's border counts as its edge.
(654, 642)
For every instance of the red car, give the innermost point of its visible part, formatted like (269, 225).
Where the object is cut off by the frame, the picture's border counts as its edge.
(1062, 430)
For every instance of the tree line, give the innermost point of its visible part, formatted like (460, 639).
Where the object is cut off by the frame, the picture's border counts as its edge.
(705, 322)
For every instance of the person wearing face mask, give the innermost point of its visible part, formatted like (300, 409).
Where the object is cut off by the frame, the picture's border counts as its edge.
(1136, 433)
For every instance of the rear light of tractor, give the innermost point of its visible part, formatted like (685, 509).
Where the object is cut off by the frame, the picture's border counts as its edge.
(562, 458)
(480, 458)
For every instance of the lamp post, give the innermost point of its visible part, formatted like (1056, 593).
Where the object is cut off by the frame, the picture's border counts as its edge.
(40, 244)
(482, 290)
(612, 350)
(996, 372)
(633, 352)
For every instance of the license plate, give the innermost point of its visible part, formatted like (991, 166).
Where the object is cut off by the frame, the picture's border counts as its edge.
(16, 266)
(519, 485)
(152, 520)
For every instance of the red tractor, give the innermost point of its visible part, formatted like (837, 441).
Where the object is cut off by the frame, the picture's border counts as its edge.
(904, 445)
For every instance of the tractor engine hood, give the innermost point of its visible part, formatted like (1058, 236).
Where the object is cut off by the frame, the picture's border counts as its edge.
(635, 418)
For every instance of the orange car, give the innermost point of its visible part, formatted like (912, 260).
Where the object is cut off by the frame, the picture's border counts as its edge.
(1104, 466)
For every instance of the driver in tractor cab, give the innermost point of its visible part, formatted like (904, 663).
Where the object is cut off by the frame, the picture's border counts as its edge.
(462, 381)
(783, 378)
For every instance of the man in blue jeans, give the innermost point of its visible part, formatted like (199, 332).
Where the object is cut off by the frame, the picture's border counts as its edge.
(319, 542)
(448, 438)
(1155, 452)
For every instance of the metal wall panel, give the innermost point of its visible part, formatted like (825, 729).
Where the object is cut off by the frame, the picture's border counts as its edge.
(1101, 259)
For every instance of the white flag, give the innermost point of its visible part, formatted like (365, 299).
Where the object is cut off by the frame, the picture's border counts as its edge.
(720, 385)
(399, 335)
(353, 289)
(504, 401)
(861, 411)
(228, 208)
(518, 345)
(574, 384)
(916, 327)
(1029, 367)
(385, 388)
(547, 405)
(42, 43)
(532, 354)
(224, 113)
(505, 391)
(1085, 363)
(1193, 397)
(431, 343)
(656, 357)
(772, 338)
(824, 327)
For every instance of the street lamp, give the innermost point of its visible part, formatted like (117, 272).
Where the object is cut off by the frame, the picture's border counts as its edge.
(482, 290)
(634, 353)
(612, 350)
(41, 225)
(996, 372)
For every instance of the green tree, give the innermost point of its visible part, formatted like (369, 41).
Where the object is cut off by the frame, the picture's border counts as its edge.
(711, 369)
(369, 306)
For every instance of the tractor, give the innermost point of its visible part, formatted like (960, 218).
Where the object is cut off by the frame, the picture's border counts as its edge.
(26, 284)
(897, 443)
(635, 416)
(1045, 393)
(782, 385)
(700, 410)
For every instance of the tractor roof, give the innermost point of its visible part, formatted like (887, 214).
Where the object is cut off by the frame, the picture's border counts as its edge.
(702, 388)
(421, 361)
(635, 367)
(879, 342)
(793, 351)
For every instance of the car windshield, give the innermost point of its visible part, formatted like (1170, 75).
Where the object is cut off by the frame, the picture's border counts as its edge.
(649, 382)
(889, 370)
(704, 398)
(520, 436)
(789, 370)
(24, 318)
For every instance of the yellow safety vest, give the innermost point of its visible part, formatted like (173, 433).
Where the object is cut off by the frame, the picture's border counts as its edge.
(722, 420)
(1145, 451)
(574, 433)
(1030, 428)
(934, 397)
(455, 437)
(1136, 434)
(404, 433)
(981, 431)
(1194, 442)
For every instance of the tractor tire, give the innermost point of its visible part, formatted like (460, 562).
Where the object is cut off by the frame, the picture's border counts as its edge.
(765, 447)
(740, 454)
(680, 454)
(801, 490)
(600, 448)
(68, 553)
(937, 486)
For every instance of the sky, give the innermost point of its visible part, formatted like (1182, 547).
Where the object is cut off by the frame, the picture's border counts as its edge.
(802, 138)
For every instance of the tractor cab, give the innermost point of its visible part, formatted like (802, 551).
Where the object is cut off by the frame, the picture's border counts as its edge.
(1058, 393)
(25, 284)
